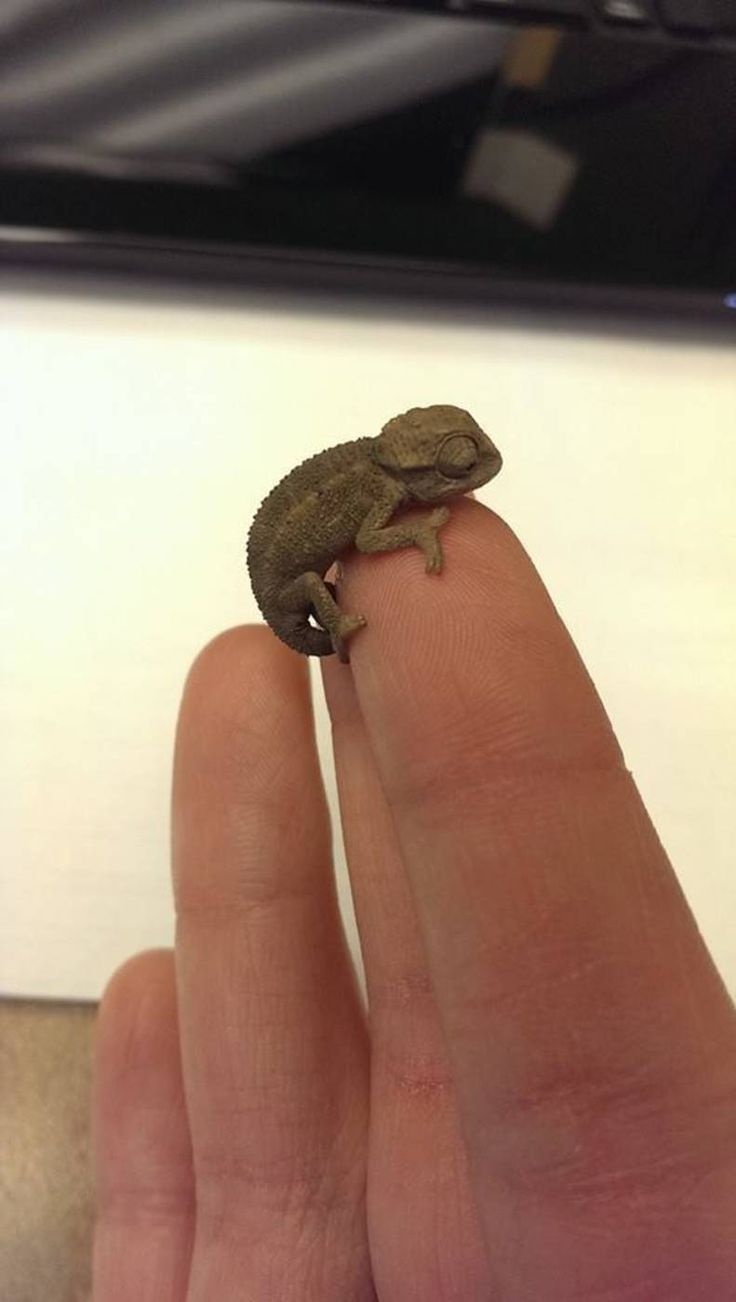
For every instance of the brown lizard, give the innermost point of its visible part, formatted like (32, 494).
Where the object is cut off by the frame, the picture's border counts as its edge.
(346, 495)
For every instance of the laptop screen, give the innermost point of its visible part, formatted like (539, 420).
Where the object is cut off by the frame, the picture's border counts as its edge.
(443, 149)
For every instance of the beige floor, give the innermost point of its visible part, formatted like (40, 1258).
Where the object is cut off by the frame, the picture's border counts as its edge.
(45, 1184)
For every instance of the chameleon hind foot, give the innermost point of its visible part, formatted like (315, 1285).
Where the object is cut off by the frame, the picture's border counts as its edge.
(341, 627)
(347, 626)
(310, 594)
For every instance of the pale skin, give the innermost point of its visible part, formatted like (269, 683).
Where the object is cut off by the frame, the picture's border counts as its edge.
(542, 1107)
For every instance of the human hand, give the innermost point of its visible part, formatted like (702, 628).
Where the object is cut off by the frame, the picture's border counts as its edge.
(542, 1107)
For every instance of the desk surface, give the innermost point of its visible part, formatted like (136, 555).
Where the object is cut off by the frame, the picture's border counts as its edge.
(140, 432)
(45, 1188)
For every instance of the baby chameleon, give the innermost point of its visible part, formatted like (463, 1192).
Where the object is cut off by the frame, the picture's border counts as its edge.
(347, 495)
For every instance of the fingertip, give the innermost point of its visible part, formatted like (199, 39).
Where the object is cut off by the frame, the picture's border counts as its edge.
(137, 1013)
(136, 974)
(237, 665)
(245, 745)
(245, 698)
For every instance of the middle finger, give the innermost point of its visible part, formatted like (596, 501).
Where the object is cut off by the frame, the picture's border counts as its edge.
(424, 1232)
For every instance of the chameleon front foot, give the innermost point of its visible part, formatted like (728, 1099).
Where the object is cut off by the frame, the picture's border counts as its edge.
(428, 540)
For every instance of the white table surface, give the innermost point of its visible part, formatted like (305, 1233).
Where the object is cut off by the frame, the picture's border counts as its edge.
(140, 431)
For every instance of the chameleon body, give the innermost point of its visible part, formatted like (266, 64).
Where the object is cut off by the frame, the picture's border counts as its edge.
(346, 496)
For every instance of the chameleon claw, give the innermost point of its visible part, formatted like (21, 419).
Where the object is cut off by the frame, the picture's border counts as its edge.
(434, 560)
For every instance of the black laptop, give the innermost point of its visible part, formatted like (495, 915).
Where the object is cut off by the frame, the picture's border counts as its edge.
(580, 151)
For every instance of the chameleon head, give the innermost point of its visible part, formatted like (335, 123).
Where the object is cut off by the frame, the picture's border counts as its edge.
(437, 452)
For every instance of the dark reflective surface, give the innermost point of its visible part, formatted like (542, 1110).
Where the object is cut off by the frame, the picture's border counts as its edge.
(410, 138)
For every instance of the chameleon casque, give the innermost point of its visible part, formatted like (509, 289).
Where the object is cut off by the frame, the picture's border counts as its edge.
(346, 496)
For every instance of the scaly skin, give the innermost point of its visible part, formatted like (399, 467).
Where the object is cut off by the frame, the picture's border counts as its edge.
(346, 496)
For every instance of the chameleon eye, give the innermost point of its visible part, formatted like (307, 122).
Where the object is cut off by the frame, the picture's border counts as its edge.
(457, 456)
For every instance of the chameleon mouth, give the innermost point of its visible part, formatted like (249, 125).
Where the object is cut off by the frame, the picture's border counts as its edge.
(488, 468)
(496, 463)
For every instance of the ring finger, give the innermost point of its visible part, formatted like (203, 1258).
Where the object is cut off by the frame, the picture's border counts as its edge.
(272, 1033)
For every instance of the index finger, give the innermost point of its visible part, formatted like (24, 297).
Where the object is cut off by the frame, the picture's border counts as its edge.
(591, 1040)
